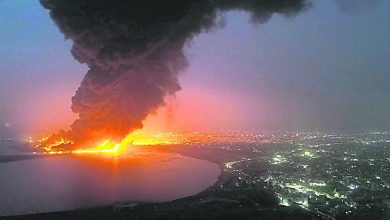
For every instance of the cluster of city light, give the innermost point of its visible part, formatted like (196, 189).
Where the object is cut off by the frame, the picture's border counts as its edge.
(317, 183)
(278, 159)
(308, 154)
(304, 189)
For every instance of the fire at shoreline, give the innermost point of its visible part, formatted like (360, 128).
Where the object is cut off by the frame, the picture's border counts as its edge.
(140, 138)
(105, 147)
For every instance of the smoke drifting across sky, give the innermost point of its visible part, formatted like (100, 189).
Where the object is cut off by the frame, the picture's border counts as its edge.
(134, 51)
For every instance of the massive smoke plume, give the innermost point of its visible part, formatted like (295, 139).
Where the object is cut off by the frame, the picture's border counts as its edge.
(134, 51)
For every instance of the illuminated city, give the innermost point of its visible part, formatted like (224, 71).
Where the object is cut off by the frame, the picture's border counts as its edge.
(194, 110)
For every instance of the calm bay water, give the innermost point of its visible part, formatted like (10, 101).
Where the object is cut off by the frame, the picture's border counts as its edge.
(70, 182)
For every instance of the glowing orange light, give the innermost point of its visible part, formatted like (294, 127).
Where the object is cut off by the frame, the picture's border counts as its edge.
(43, 139)
(30, 140)
(104, 147)
(60, 142)
(136, 138)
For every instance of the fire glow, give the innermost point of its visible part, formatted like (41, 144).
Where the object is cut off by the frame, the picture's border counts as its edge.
(104, 147)
(107, 146)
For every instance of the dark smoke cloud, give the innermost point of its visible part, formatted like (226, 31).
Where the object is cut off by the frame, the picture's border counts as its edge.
(134, 51)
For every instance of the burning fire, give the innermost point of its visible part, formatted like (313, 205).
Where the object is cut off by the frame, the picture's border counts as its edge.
(107, 146)
(137, 138)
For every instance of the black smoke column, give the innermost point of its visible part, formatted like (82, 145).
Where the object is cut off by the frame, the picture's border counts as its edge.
(134, 51)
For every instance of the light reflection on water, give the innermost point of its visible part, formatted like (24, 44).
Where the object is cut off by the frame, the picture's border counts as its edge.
(69, 182)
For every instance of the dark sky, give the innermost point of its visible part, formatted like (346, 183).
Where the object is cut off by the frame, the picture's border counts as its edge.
(325, 68)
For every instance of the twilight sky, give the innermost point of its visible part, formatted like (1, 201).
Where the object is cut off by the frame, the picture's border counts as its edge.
(326, 68)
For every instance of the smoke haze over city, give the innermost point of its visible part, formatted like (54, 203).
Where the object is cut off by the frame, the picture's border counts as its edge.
(298, 69)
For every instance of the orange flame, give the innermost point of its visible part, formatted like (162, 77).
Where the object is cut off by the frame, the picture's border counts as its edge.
(104, 147)
(136, 138)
